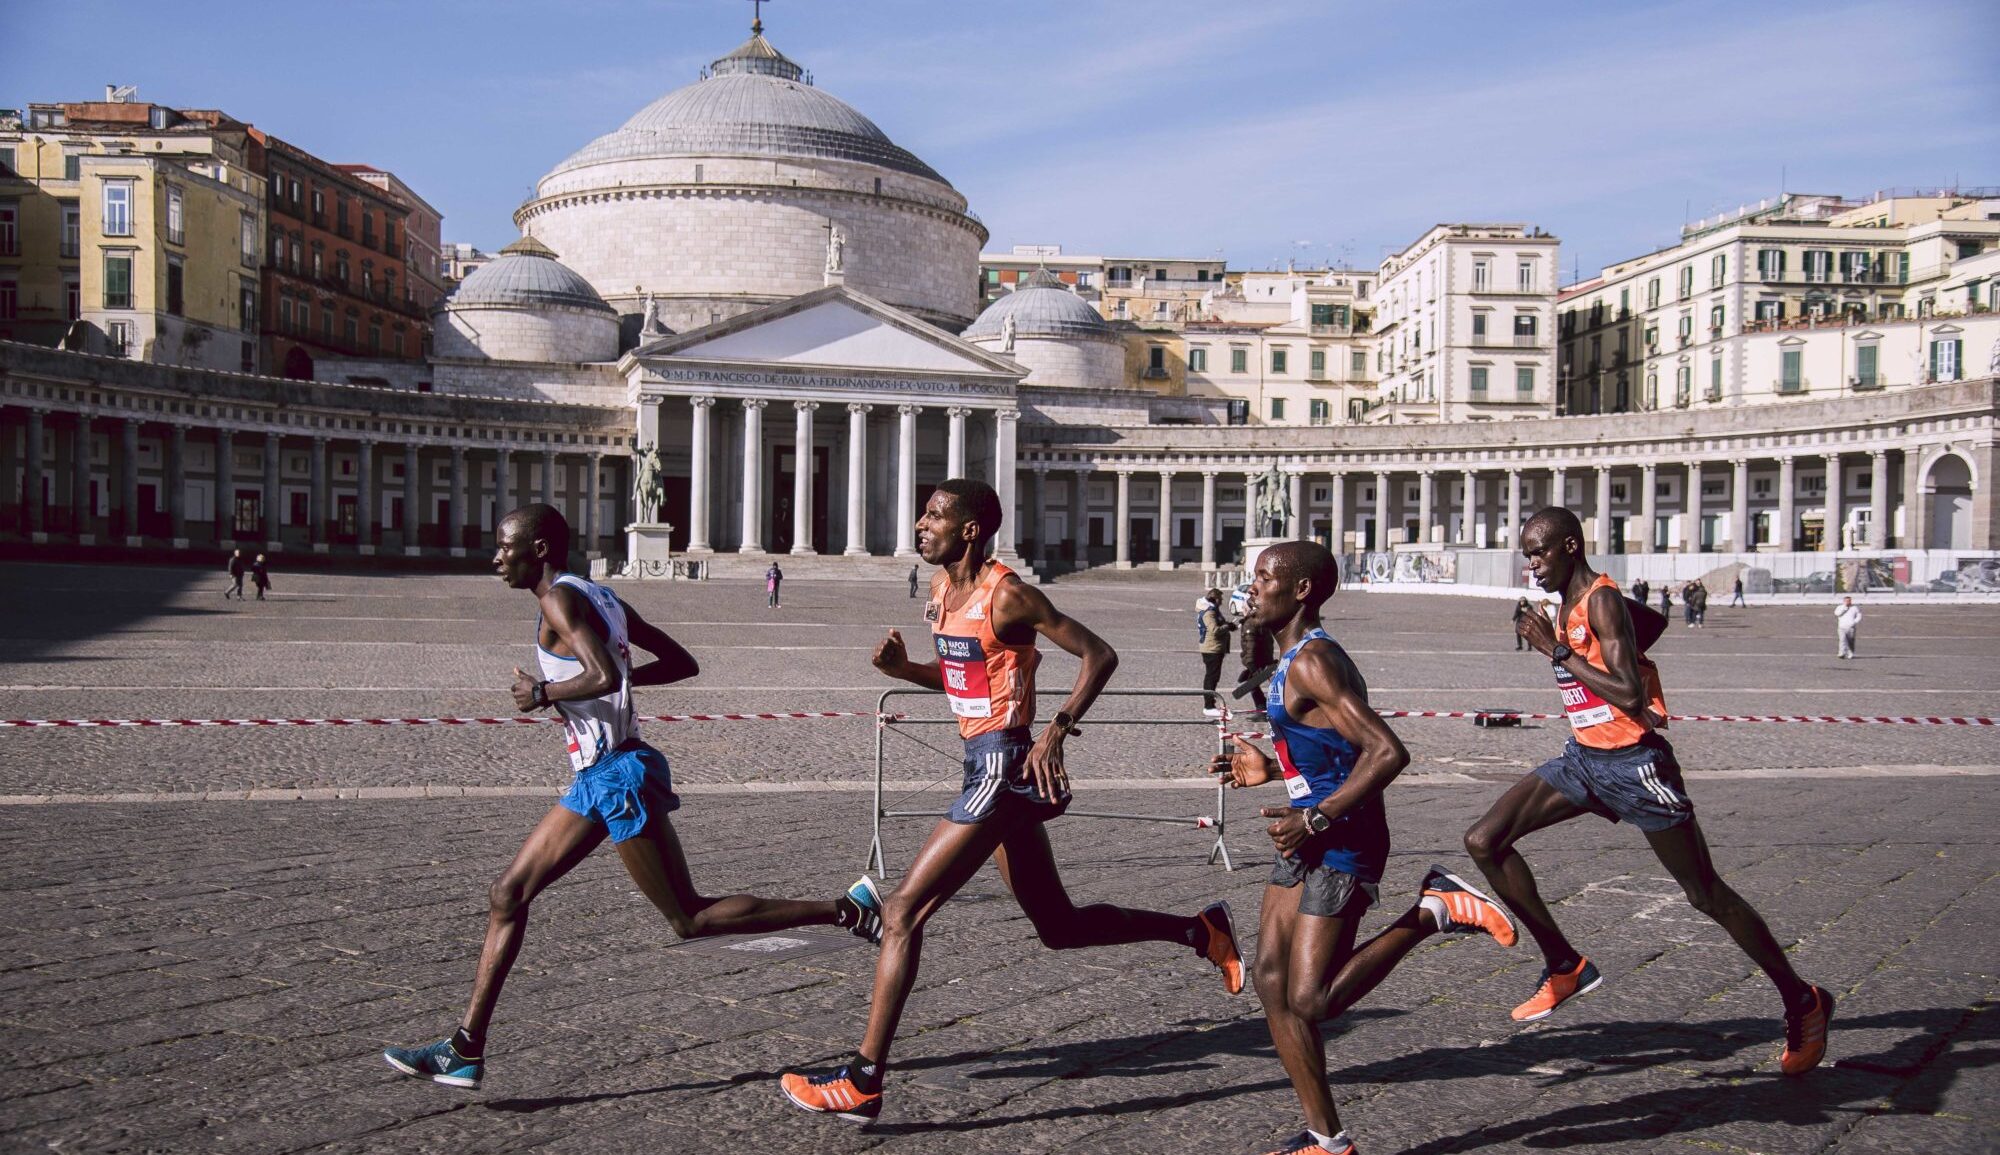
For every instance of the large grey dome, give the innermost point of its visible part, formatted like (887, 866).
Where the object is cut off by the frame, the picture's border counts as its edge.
(1041, 308)
(526, 274)
(755, 102)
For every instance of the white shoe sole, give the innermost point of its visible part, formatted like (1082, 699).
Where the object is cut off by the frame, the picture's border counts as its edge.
(812, 1110)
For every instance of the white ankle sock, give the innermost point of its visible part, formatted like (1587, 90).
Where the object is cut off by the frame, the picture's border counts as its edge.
(1435, 905)
(1333, 1143)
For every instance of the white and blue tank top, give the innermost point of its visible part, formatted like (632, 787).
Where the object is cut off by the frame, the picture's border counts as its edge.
(1316, 761)
(595, 726)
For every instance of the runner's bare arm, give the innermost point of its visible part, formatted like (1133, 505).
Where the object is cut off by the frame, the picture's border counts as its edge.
(1337, 701)
(565, 614)
(1019, 608)
(671, 662)
(1621, 684)
(893, 659)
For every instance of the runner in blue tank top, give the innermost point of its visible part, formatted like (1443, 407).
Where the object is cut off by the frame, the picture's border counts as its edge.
(1336, 757)
(623, 788)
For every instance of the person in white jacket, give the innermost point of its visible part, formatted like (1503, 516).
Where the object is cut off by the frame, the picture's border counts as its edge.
(1847, 619)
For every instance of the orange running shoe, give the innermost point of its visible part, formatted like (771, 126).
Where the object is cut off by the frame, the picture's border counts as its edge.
(1222, 945)
(831, 1094)
(1303, 1143)
(1465, 908)
(1805, 1035)
(1557, 989)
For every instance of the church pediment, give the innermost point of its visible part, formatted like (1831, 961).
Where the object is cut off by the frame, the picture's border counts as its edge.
(832, 329)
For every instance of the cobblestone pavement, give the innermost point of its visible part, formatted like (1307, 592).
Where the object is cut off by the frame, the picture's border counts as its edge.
(197, 976)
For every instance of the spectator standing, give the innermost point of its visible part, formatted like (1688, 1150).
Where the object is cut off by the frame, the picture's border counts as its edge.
(913, 580)
(1847, 619)
(1698, 594)
(1642, 590)
(773, 578)
(1521, 609)
(260, 576)
(1212, 642)
(1666, 602)
(236, 570)
(1736, 599)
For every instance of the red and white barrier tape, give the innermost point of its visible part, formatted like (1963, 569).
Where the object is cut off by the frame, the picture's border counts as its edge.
(1834, 719)
(171, 723)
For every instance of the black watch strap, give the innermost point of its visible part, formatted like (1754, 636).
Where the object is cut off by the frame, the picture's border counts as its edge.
(1562, 653)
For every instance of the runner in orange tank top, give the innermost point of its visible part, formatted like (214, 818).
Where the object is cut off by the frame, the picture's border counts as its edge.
(985, 622)
(1616, 764)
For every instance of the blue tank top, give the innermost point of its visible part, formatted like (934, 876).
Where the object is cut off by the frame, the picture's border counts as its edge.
(1316, 761)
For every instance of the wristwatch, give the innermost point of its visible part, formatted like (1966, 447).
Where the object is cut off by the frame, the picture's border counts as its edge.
(1561, 653)
(1064, 722)
(539, 696)
(1316, 821)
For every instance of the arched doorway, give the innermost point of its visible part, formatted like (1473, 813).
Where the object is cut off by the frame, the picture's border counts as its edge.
(1948, 485)
(298, 364)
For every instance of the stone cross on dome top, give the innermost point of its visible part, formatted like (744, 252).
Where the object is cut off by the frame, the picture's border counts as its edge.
(757, 17)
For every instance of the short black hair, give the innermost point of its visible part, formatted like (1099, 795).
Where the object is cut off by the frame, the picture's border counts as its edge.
(544, 523)
(1558, 521)
(977, 501)
(1310, 561)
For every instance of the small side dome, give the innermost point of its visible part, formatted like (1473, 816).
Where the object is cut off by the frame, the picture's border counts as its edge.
(527, 274)
(525, 306)
(1041, 307)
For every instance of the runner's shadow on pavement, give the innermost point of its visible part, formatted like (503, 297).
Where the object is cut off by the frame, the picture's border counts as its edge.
(1848, 1087)
(530, 1106)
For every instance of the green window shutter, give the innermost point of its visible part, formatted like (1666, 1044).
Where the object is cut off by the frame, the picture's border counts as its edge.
(1934, 359)
(1864, 364)
(1957, 359)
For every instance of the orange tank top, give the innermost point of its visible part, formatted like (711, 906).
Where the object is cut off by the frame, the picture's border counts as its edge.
(1594, 721)
(990, 684)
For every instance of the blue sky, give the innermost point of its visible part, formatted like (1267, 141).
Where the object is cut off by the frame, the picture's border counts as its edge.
(1259, 130)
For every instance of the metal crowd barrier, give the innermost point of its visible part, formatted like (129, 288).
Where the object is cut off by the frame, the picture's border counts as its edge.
(887, 720)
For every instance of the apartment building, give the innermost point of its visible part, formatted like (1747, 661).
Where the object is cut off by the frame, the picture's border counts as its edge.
(1464, 326)
(1805, 295)
(1001, 273)
(1310, 368)
(1166, 290)
(131, 229)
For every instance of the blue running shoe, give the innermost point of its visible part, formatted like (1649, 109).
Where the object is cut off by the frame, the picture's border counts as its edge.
(860, 910)
(439, 1063)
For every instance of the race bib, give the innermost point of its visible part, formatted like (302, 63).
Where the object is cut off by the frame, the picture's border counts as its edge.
(963, 663)
(1296, 784)
(1583, 707)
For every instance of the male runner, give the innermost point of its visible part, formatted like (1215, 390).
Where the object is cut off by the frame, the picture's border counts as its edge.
(1337, 756)
(984, 622)
(1617, 764)
(623, 787)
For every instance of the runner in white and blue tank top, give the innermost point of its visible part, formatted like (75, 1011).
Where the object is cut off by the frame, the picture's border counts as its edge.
(1336, 757)
(622, 789)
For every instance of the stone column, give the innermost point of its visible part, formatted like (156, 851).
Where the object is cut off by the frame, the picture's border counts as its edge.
(128, 479)
(1513, 509)
(32, 490)
(455, 524)
(1603, 510)
(1079, 515)
(857, 481)
(1649, 486)
(1691, 509)
(269, 523)
(1786, 539)
(1426, 497)
(593, 497)
(1468, 510)
(906, 480)
(317, 509)
(364, 504)
(413, 511)
(1006, 431)
(1038, 505)
(1208, 519)
(503, 486)
(1250, 527)
(1381, 510)
(753, 476)
(802, 476)
(954, 445)
(1121, 533)
(81, 510)
(1831, 539)
(1741, 540)
(698, 470)
(1336, 520)
(1559, 487)
(225, 502)
(1296, 490)
(1878, 499)
(176, 485)
(1166, 534)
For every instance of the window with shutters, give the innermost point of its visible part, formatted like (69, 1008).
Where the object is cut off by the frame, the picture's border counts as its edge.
(1865, 359)
(1791, 375)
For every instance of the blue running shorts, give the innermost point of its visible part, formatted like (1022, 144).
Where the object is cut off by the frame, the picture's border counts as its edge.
(996, 766)
(622, 788)
(1640, 784)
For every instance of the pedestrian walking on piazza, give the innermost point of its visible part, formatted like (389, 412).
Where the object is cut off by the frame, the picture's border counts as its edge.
(623, 789)
(1666, 601)
(1521, 608)
(1846, 620)
(1698, 594)
(985, 626)
(1736, 598)
(1617, 764)
(1642, 590)
(1688, 604)
(260, 576)
(913, 580)
(773, 578)
(1212, 632)
(236, 571)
